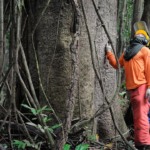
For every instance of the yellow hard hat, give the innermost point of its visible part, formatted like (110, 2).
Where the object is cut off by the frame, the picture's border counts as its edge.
(143, 33)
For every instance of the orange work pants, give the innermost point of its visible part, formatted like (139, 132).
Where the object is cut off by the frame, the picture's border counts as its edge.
(140, 108)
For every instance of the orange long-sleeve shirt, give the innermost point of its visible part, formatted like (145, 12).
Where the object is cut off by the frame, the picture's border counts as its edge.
(137, 69)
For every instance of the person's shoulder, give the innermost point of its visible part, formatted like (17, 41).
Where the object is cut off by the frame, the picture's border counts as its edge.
(145, 50)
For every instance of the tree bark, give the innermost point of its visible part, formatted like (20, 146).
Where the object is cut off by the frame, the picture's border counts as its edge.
(53, 38)
(137, 13)
(146, 14)
(1, 34)
(121, 28)
(107, 13)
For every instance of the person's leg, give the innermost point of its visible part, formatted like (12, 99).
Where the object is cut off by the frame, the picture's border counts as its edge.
(149, 116)
(140, 108)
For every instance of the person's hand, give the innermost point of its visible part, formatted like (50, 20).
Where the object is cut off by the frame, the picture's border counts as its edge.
(108, 48)
(148, 94)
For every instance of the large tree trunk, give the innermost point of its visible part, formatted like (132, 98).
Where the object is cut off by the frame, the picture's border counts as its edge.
(57, 65)
(53, 38)
(109, 16)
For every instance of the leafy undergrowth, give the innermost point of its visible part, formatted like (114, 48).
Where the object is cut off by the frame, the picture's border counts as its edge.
(83, 141)
(26, 145)
(30, 135)
(118, 145)
(78, 141)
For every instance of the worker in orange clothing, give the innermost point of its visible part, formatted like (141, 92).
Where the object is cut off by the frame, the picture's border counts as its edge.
(136, 63)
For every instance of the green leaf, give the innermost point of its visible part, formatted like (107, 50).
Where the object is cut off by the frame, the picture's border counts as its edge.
(48, 109)
(122, 93)
(27, 143)
(82, 147)
(46, 119)
(19, 144)
(26, 106)
(34, 118)
(56, 126)
(42, 109)
(33, 110)
(31, 124)
(66, 147)
(39, 111)
(50, 129)
(40, 128)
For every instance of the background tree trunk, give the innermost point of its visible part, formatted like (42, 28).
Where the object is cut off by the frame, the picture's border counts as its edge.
(137, 13)
(146, 14)
(122, 9)
(1, 34)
